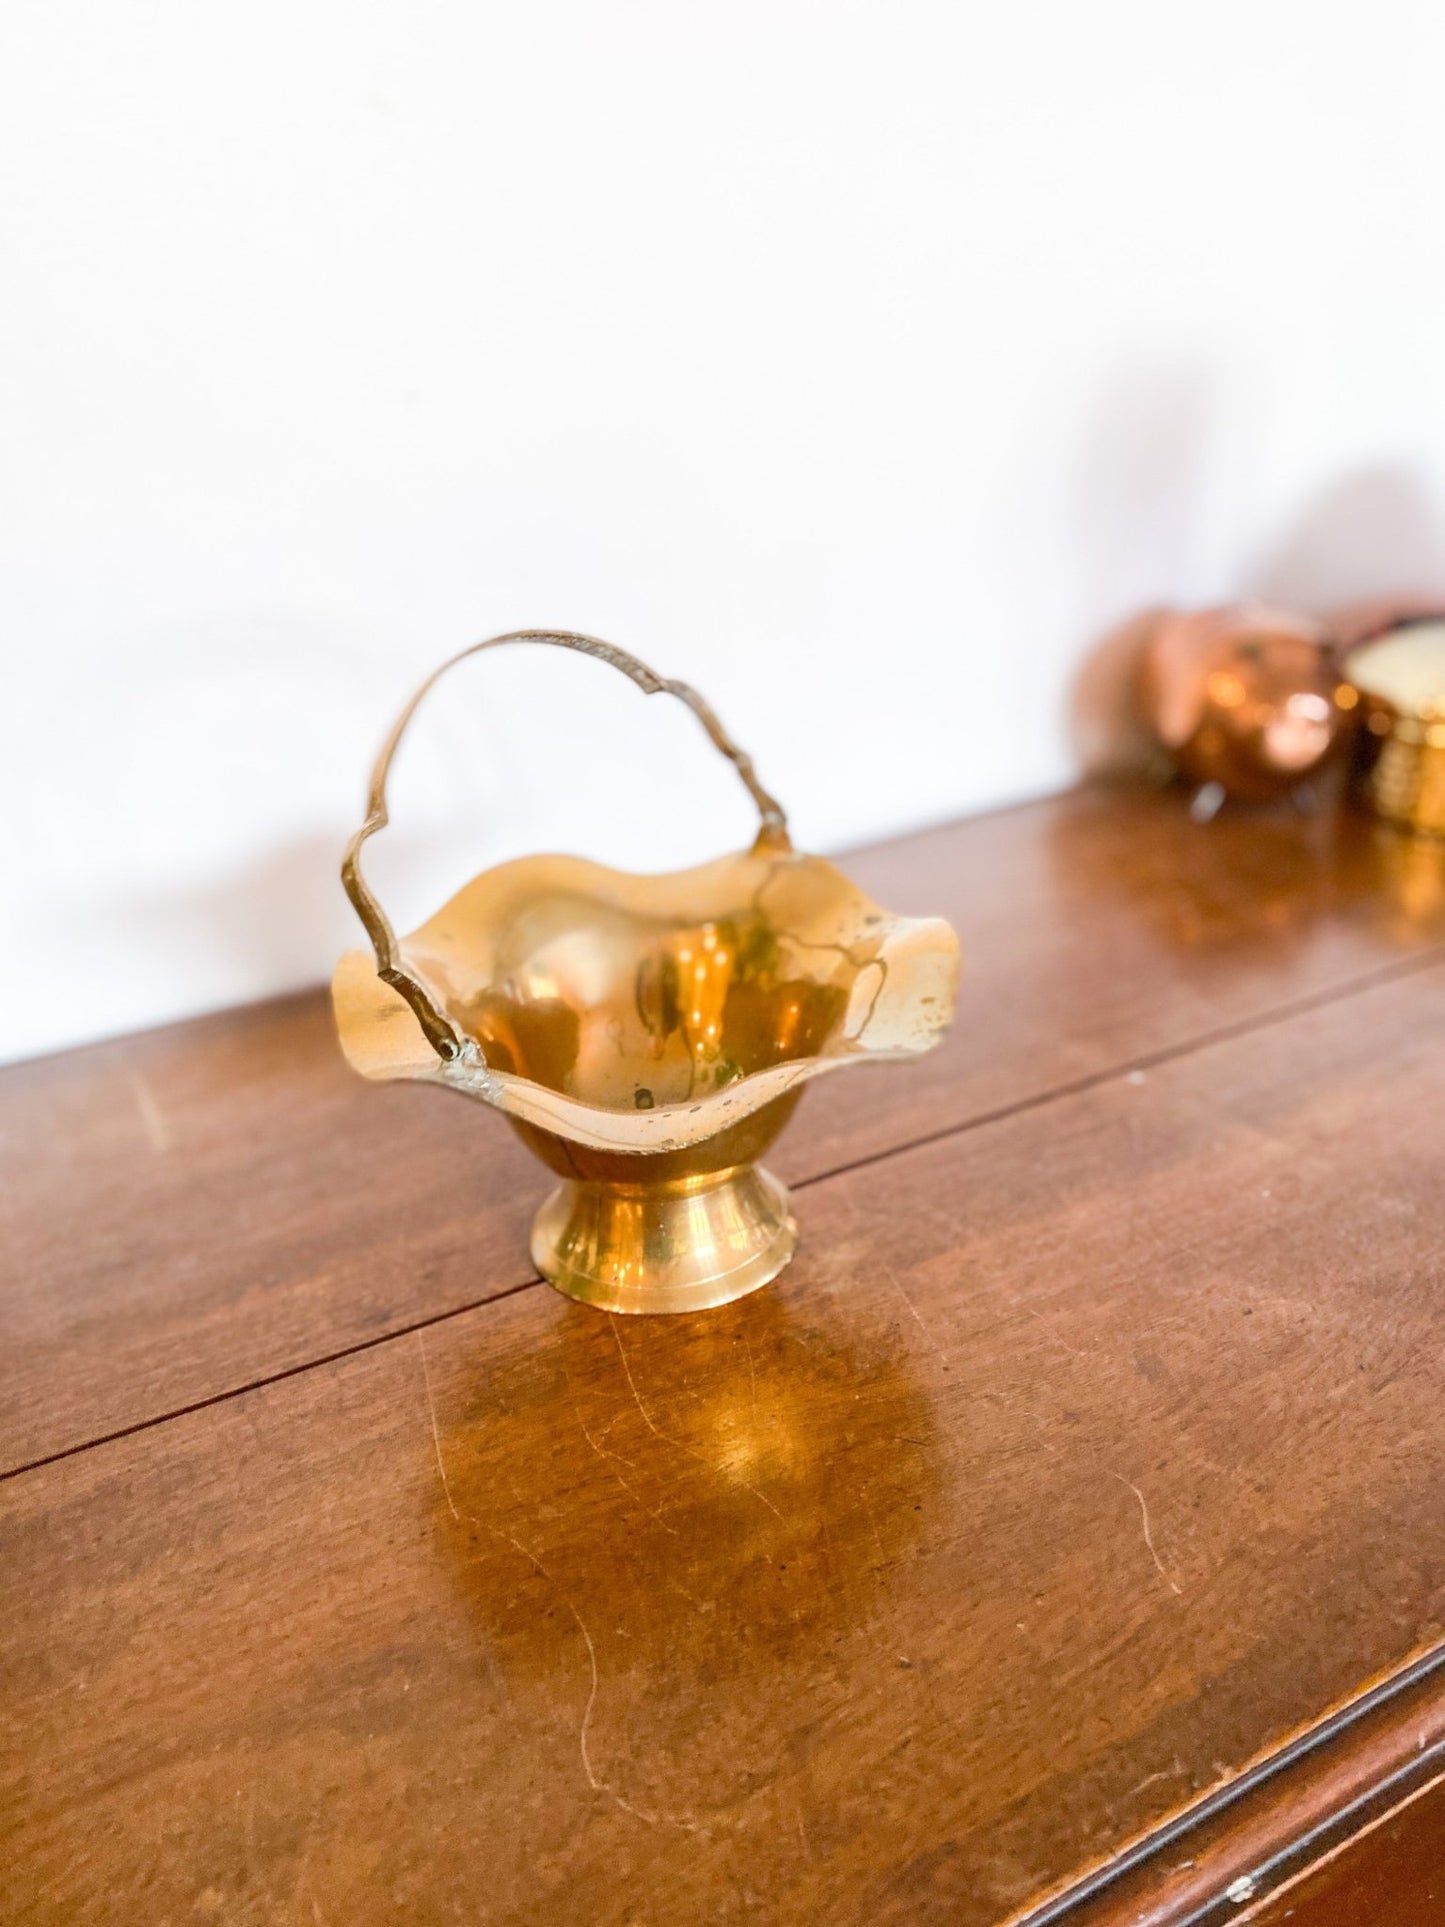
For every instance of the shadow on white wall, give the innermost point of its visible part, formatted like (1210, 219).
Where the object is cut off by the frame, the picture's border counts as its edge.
(1377, 532)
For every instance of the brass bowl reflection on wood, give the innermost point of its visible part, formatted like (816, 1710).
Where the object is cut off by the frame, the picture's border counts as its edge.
(646, 1036)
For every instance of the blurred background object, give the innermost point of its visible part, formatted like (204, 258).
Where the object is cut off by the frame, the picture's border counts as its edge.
(863, 367)
(1247, 702)
(1400, 674)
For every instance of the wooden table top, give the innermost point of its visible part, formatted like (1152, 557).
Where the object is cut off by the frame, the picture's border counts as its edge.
(1060, 1536)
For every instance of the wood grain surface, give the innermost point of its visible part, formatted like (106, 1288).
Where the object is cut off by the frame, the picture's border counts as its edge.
(190, 1211)
(1084, 1457)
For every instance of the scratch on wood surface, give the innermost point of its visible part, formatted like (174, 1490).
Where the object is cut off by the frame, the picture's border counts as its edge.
(893, 1279)
(873, 1528)
(803, 1841)
(679, 1445)
(1056, 1336)
(152, 1117)
(597, 1784)
(632, 1387)
(1148, 1535)
(594, 1780)
(1150, 1779)
(431, 1411)
(587, 1767)
(1173, 1772)
(1037, 1419)
(897, 1283)
(615, 1459)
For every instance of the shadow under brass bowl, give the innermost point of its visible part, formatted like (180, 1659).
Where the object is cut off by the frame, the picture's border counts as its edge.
(647, 1036)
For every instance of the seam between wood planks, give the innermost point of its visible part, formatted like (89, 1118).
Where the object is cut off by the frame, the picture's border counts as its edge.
(1203, 1041)
(1150, 1060)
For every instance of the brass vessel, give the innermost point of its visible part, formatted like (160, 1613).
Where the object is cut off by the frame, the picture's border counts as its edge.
(1400, 762)
(647, 1036)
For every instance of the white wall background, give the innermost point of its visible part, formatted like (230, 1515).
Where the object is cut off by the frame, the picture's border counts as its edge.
(861, 363)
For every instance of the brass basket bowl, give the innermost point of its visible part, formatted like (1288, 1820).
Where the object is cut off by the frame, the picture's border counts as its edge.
(647, 1036)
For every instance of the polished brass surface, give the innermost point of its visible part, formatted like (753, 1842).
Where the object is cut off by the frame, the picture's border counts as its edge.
(1400, 765)
(1247, 698)
(647, 1036)
(680, 1246)
(440, 1032)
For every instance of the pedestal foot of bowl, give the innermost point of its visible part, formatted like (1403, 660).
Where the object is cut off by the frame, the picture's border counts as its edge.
(683, 1245)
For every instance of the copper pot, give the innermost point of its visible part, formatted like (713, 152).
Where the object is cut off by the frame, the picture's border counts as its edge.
(1248, 698)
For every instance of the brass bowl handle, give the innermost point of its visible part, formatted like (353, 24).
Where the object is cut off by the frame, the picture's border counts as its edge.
(439, 1029)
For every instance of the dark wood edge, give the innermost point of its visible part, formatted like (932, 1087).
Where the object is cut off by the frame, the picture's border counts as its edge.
(1385, 1847)
(1331, 1837)
(1246, 1839)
